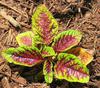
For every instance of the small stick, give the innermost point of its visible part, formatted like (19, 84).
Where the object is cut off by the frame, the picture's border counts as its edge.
(51, 6)
(31, 9)
(10, 19)
(1, 46)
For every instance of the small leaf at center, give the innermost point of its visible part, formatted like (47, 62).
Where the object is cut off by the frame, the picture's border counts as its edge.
(47, 51)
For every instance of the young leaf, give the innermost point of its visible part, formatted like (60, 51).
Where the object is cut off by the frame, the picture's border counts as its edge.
(82, 54)
(69, 67)
(47, 51)
(25, 39)
(44, 25)
(66, 40)
(47, 71)
(26, 56)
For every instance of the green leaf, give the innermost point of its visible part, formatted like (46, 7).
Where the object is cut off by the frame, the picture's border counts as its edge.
(47, 51)
(44, 26)
(66, 40)
(26, 56)
(83, 54)
(69, 67)
(25, 39)
(47, 71)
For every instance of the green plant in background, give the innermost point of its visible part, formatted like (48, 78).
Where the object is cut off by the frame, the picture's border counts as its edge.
(57, 51)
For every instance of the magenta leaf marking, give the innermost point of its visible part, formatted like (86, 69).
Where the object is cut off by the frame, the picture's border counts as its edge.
(27, 57)
(26, 40)
(71, 69)
(48, 66)
(44, 24)
(64, 43)
(66, 40)
(47, 51)
(47, 71)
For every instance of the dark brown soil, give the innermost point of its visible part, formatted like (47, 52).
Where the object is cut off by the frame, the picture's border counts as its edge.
(83, 15)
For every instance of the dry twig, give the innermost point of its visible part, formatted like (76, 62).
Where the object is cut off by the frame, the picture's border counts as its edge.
(9, 18)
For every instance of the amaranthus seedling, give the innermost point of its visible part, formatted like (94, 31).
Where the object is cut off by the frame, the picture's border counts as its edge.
(44, 44)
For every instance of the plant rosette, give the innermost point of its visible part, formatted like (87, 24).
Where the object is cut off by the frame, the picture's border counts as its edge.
(62, 60)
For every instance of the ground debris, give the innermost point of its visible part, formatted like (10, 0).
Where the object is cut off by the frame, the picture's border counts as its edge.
(37, 85)
(6, 5)
(10, 19)
(84, 16)
(19, 80)
(5, 83)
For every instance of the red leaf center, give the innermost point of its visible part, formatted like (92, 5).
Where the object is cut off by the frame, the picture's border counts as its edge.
(44, 23)
(64, 43)
(48, 66)
(26, 40)
(27, 57)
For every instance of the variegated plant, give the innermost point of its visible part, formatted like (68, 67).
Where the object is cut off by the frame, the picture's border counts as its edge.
(56, 50)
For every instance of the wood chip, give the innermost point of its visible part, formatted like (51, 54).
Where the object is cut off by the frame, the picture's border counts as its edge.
(38, 85)
(5, 83)
(19, 80)
(9, 18)
(2, 66)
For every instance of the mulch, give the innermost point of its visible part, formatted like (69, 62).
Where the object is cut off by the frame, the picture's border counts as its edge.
(83, 15)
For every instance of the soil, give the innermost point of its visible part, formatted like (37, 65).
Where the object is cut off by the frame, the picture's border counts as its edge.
(83, 15)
